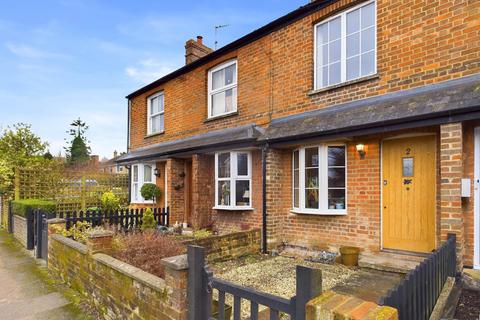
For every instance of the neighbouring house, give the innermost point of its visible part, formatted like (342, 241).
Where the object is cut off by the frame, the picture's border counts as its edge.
(340, 123)
(111, 166)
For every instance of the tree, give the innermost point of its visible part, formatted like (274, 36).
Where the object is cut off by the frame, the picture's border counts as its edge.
(19, 145)
(78, 151)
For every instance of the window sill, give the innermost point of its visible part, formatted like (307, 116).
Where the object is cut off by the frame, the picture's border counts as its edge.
(320, 213)
(149, 202)
(154, 134)
(233, 208)
(344, 84)
(222, 116)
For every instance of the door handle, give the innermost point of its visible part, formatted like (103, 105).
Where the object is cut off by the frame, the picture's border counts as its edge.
(385, 182)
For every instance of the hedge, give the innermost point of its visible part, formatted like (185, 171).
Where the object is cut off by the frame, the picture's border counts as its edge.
(20, 207)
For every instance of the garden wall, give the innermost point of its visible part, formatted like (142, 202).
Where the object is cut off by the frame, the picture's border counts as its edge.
(229, 246)
(20, 229)
(117, 289)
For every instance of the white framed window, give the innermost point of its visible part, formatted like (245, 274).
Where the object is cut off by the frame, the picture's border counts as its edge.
(141, 173)
(156, 113)
(233, 180)
(319, 179)
(345, 46)
(222, 89)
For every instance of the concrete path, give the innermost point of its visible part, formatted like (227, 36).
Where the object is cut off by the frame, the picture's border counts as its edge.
(23, 293)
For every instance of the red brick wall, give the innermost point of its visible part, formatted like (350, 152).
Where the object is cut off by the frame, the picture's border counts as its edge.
(176, 193)
(418, 42)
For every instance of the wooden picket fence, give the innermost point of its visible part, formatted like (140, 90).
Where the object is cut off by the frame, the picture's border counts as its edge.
(122, 219)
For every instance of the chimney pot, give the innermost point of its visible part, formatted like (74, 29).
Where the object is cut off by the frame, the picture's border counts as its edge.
(200, 39)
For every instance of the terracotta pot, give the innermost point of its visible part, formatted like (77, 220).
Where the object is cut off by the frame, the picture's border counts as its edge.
(350, 256)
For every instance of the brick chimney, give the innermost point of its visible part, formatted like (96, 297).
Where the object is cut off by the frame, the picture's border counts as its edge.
(115, 153)
(194, 50)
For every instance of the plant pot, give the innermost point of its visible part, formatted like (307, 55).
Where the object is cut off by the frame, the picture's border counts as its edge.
(228, 310)
(350, 256)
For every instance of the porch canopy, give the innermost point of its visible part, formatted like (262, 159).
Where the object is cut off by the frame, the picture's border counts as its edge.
(449, 101)
(233, 137)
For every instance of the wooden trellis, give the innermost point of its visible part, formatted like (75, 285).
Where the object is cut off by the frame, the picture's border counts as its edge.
(71, 190)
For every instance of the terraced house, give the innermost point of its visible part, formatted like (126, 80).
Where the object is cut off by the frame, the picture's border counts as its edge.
(341, 123)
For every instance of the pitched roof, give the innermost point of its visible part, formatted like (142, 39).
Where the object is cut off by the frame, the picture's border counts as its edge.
(445, 99)
(285, 20)
(232, 136)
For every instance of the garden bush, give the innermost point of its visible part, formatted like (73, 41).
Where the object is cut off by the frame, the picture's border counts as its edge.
(110, 201)
(148, 221)
(144, 250)
(21, 207)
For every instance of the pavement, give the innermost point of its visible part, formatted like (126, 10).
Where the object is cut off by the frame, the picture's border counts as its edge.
(25, 292)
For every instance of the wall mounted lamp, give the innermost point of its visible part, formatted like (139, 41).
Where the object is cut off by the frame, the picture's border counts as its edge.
(156, 172)
(361, 150)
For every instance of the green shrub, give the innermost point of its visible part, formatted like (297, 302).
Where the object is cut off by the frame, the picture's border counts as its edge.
(150, 191)
(110, 201)
(148, 220)
(21, 207)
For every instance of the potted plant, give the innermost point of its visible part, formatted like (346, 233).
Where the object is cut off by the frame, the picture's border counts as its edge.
(150, 191)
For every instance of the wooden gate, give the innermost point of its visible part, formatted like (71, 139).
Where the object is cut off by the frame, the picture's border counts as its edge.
(201, 283)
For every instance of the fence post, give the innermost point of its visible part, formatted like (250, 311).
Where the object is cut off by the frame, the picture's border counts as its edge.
(309, 285)
(197, 284)
(30, 230)
(16, 184)
(10, 217)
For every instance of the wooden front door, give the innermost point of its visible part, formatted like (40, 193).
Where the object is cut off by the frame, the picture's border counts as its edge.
(409, 185)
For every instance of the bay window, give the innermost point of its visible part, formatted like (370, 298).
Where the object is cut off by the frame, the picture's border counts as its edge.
(156, 113)
(141, 174)
(222, 89)
(319, 179)
(345, 46)
(233, 180)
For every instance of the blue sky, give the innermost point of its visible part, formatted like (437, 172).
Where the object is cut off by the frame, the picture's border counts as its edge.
(64, 59)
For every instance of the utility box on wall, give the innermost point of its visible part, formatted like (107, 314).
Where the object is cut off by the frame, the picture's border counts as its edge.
(466, 188)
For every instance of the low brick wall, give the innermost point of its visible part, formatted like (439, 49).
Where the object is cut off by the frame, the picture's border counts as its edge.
(117, 289)
(20, 229)
(229, 246)
(331, 305)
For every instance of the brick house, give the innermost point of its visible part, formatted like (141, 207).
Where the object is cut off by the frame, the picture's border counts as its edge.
(340, 123)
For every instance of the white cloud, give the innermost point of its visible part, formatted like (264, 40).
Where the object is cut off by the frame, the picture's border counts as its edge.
(29, 52)
(148, 70)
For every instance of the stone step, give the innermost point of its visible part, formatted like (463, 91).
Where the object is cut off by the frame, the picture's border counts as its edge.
(391, 262)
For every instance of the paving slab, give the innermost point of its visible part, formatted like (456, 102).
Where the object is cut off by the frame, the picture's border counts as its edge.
(392, 262)
(23, 293)
(369, 284)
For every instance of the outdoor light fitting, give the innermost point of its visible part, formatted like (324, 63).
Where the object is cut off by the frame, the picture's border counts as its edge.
(361, 150)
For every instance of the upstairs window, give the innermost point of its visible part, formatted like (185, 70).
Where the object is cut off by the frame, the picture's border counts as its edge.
(141, 174)
(319, 179)
(156, 116)
(345, 46)
(233, 180)
(222, 89)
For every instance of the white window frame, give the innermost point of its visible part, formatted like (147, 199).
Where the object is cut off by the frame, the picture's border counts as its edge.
(211, 92)
(150, 115)
(323, 181)
(137, 198)
(343, 39)
(233, 178)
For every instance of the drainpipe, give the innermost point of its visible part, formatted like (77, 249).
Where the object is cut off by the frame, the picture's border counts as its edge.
(264, 198)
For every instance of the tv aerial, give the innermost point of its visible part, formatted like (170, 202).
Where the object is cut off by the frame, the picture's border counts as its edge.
(217, 28)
